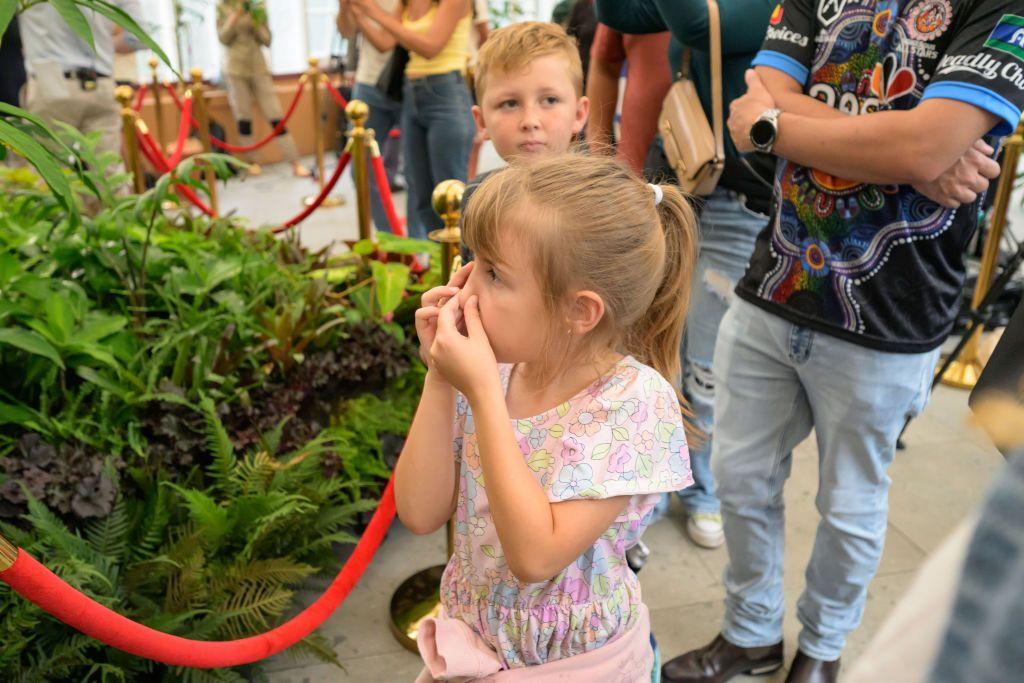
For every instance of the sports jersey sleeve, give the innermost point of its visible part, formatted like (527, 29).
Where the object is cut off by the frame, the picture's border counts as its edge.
(789, 41)
(984, 63)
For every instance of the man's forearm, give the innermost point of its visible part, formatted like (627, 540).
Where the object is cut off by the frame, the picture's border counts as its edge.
(603, 91)
(877, 148)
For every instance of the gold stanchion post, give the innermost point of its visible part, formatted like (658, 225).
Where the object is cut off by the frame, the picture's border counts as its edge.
(315, 78)
(124, 95)
(8, 554)
(360, 140)
(418, 597)
(447, 202)
(964, 372)
(158, 109)
(203, 119)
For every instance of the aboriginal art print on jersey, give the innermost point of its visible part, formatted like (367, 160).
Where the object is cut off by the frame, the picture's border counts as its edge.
(833, 234)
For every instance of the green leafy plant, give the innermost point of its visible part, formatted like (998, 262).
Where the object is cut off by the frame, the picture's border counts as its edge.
(193, 416)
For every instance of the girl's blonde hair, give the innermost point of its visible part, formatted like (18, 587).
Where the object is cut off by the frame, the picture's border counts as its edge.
(589, 223)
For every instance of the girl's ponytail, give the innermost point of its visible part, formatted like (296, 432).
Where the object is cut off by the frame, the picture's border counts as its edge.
(656, 336)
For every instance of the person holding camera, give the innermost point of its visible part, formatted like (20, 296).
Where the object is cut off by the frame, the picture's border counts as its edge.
(385, 112)
(242, 29)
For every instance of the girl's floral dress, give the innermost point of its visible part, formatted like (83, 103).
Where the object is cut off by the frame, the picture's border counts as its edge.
(623, 435)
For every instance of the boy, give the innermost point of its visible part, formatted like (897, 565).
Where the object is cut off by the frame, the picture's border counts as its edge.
(529, 93)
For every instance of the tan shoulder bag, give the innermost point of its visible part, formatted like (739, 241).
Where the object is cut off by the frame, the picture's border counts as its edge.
(695, 150)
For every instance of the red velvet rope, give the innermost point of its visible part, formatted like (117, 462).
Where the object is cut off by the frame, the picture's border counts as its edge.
(385, 195)
(42, 587)
(338, 97)
(342, 162)
(149, 148)
(140, 95)
(220, 144)
(183, 130)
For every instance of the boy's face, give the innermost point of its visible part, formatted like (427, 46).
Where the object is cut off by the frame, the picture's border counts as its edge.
(533, 112)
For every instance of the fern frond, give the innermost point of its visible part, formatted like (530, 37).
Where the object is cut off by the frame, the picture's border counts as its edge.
(253, 606)
(109, 536)
(151, 530)
(271, 441)
(221, 449)
(212, 521)
(291, 509)
(106, 672)
(54, 531)
(315, 645)
(281, 570)
(254, 473)
(188, 675)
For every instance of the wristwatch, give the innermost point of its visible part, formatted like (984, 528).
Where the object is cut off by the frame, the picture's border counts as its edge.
(765, 130)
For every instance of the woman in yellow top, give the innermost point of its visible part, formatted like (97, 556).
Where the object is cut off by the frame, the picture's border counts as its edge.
(437, 122)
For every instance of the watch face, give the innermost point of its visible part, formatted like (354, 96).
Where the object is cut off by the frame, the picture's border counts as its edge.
(762, 133)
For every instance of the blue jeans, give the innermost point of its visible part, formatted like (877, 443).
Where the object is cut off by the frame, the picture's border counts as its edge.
(384, 115)
(775, 382)
(437, 130)
(728, 231)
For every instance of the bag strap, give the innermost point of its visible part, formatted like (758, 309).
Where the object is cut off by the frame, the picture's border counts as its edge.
(715, 48)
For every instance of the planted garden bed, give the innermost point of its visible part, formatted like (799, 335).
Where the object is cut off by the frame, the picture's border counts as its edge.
(191, 416)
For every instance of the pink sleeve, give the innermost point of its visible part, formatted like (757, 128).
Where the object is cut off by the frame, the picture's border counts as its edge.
(629, 440)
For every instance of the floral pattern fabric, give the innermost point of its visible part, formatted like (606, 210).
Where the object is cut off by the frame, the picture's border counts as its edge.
(622, 436)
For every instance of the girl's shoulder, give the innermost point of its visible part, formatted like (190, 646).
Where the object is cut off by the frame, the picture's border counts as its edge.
(632, 380)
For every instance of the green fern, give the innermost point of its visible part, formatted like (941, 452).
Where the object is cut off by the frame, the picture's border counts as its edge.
(289, 509)
(212, 521)
(59, 537)
(109, 536)
(281, 570)
(316, 646)
(221, 450)
(253, 606)
(155, 516)
(106, 673)
(189, 675)
(254, 473)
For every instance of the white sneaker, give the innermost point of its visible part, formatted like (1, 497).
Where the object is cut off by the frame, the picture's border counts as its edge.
(705, 529)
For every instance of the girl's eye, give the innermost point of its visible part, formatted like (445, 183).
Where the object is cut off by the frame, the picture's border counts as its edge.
(492, 274)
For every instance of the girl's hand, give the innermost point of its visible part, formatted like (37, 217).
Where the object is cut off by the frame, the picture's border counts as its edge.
(430, 307)
(466, 361)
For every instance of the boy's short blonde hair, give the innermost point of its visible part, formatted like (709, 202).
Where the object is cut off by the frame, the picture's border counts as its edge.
(512, 48)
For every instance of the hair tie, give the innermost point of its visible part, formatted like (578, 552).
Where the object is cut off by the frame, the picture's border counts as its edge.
(658, 194)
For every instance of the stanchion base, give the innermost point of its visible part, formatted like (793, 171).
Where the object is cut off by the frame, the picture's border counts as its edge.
(963, 374)
(416, 599)
(329, 202)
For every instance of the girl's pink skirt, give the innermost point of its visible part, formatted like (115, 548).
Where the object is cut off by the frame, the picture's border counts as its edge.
(453, 652)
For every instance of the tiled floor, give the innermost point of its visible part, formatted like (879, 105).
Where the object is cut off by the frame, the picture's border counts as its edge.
(942, 474)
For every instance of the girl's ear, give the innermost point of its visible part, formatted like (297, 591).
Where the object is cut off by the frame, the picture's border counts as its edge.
(585, 311)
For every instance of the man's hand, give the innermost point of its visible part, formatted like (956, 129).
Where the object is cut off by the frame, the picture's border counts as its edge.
(962, 182)
(745, 110)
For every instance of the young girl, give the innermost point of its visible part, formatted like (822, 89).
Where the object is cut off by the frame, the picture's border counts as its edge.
(548, 424)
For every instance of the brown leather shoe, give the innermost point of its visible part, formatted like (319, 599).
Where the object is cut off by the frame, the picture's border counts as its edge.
(810, 670)
(720, 661)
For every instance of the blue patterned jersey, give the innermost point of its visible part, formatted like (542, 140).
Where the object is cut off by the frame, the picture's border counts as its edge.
(880, 265)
